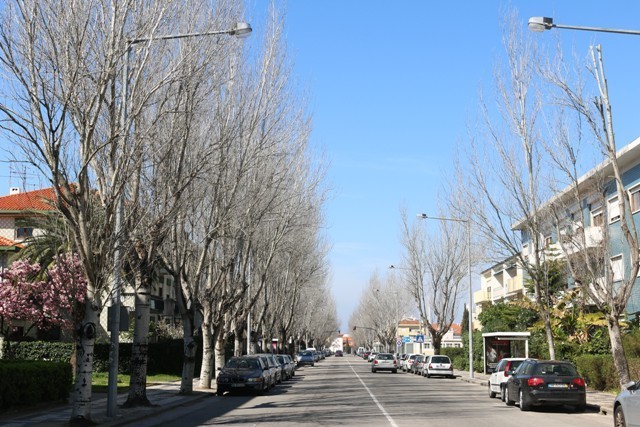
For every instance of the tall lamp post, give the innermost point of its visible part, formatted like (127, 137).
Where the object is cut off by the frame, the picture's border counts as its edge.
(468, 223)
(539, 24)
(241, 30)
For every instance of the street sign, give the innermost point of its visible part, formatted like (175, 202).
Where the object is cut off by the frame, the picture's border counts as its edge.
(420, 338)
(406, 339)
(399, 343)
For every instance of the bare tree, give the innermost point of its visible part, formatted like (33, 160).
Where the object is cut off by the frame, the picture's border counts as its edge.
(436, 266)
(587, 241)
(505, 186)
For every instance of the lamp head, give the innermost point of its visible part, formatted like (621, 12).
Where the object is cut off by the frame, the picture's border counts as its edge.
(241, 30)
(540, 23)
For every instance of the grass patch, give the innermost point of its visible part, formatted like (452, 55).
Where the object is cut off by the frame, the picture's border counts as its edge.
(100, 381)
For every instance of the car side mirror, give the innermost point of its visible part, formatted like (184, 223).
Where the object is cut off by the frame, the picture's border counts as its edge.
(631, 386)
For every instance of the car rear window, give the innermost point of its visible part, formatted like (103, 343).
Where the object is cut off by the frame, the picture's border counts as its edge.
(242, 364)
(306, 353)
(440, 359)
(559, 369)
(513, 365)
(385, 356)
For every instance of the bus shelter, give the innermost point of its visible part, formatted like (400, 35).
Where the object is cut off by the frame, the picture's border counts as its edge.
(498, 345)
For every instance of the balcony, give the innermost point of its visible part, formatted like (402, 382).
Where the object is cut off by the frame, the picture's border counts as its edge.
(574, 243)
(483, 295)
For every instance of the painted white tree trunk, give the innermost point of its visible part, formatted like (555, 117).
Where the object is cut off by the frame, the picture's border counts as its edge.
(220, 344)
(85, 340)
(206, 370)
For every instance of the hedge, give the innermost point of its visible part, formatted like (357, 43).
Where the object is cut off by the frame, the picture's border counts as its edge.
(599, 371)
(28, 382)
(164, 357)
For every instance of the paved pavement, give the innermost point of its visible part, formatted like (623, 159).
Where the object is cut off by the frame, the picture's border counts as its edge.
(602, 401)
(165, 397)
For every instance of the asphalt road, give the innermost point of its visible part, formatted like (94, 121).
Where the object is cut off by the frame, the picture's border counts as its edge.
(343, 391)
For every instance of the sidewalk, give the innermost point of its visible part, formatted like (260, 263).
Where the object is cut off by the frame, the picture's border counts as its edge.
(163, 396)
(598, 400)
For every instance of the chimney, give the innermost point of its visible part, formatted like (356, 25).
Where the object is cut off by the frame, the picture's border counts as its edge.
(14, 190)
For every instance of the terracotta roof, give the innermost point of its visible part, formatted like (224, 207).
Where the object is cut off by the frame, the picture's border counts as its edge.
(409, 322)
(29, 200)
(9, 243)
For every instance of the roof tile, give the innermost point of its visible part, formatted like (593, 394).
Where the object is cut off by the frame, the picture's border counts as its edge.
(29, 200)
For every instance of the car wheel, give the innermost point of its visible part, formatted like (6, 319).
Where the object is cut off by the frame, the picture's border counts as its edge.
(507, 398)
(502, 393)
(492, 394)
(394, 371)
(373, 370)
(618, 417)
(428, 375)
(525, 404)
(313, 364)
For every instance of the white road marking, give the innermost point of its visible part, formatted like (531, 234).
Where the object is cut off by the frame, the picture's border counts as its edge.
(385, 413)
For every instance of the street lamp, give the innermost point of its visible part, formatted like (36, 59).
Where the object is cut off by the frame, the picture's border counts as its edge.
(539, 24)
(241, 30)
(468, 223)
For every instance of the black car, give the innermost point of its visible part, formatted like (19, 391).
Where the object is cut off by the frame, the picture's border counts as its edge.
(245, 373)
(546, 382)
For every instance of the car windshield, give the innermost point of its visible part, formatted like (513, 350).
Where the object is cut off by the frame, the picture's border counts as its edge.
(383, 356)
(440, 359)
(243, 364)
(306, 353)
(559, 369)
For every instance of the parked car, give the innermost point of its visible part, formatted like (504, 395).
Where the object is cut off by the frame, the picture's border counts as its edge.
(365, 355)
(626, 406)
(306, 358)
(406, 366)
(416, 366)
(274, 367)
(438, 365)
(384, 362)
(372, 356)
(243, 373)
(499, 377)
(546, 382)
(286, 365)
(339, 353)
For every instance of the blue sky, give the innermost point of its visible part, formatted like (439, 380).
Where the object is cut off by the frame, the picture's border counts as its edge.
(392, 86)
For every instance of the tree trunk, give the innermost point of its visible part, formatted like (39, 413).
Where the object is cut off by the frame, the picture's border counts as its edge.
(617, 350)
(220, 344)
(206, 370)
(237, 341)
(85, 340)
(189, 355)
(549, 333)
(139, 352)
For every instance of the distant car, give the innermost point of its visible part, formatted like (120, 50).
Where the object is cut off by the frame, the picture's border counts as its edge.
(372, 356)
(416, 367)
(365, 355)
(546, 383)
(626, 406)
(241, 374)
(306, 358)
(406, 365)
(274, 367)
(384, 362)
(286, 365)
(499, 377)
(438, 365)
(339, 353)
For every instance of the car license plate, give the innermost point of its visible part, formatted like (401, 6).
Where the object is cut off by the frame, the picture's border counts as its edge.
(237, 385)
(553, 385)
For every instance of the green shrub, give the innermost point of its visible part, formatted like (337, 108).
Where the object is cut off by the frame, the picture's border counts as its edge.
(29, 382)
(42, 350)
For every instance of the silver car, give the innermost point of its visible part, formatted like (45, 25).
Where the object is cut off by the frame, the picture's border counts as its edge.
(384, 362)
(438, 365)
(626, 406)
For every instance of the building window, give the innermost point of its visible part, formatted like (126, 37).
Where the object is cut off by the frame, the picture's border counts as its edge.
(617, 267)
(24, 232)
(597, 218)
(614, 209)
(634, 196)
(548, 241)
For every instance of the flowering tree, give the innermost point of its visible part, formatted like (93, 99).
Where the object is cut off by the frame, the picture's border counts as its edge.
(42, 299)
